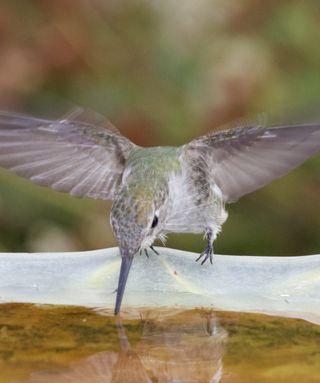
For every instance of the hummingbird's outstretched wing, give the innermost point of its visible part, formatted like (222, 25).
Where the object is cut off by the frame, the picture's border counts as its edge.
(242, 160)
(70, 155)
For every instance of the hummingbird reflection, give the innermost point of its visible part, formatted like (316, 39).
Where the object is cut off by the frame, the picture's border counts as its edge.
(155, 190)
(174, 348)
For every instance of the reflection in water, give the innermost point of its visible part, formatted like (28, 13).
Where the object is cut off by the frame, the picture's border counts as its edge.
(175, 350)
(75, 344)
(171, 349)
(95, 369)
(128, 367)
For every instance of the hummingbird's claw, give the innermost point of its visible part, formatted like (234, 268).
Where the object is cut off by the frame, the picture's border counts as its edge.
(146, 251)
(208, 253)
(154, 250)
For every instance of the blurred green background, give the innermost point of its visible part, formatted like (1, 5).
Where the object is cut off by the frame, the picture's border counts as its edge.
(163, 72)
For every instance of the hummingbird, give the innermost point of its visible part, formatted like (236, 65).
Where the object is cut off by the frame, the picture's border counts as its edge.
(155, 190)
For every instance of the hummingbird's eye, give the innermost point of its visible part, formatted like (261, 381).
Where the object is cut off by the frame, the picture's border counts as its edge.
(154, 222)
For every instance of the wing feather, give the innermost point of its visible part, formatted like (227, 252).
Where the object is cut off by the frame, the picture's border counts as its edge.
(242, 160)
(70, 155)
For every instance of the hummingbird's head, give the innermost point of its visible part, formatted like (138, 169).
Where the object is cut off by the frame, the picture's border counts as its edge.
(136, 222)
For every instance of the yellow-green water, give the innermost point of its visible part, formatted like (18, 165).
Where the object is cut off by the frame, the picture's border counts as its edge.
(46, 344)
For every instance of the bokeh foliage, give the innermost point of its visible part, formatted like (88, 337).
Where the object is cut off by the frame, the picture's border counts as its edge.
(163, 72)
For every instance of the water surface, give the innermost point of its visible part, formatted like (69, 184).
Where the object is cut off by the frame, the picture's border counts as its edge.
(46, 344)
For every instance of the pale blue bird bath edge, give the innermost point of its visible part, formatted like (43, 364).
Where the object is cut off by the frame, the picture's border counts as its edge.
(284, 286)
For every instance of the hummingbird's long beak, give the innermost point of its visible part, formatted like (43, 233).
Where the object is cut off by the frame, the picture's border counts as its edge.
(123, 276)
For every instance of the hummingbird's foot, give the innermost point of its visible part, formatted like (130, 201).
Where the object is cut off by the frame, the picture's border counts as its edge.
(154, 250)
(208, 251)
(207, 254)
(146, 251)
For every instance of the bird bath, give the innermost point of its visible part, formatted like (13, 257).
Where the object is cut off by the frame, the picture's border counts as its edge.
(180, 321)
(286, 286)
